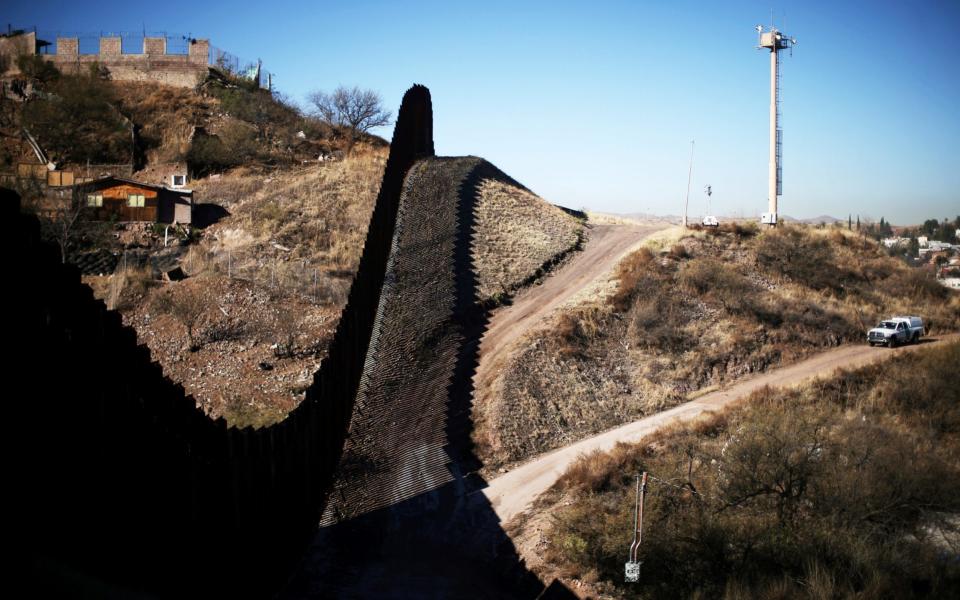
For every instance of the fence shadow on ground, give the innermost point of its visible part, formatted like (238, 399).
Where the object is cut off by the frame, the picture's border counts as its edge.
(406, 518)
(123, 488)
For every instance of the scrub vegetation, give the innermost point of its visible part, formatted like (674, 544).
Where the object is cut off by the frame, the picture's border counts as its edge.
(848, 487)
(692, 311)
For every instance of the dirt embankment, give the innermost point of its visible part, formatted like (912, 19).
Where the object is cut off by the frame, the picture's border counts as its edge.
(690, 312)
(528, 311)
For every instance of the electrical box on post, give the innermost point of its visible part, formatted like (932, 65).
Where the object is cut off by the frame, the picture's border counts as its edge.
(768, 218)
(632, 572)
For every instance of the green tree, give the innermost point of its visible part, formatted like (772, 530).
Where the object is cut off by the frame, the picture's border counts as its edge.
(885, 229)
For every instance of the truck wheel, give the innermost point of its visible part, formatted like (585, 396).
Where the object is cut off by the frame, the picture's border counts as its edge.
(892, 342)
(916, 339)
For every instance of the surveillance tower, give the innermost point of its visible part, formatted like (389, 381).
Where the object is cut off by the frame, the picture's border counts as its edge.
(775, 41)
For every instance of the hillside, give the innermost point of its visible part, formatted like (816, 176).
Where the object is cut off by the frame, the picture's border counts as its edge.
(795, 493)
(247, 329)
(687, 313)
(264, 285)
(149, 128)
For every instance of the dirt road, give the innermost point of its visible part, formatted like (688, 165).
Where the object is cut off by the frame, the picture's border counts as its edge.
(512, 492)
(605, 246)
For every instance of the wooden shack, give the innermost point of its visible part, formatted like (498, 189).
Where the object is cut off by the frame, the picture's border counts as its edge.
(128, 200)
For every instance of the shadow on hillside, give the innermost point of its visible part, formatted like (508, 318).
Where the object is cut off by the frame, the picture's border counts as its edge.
(207, 214)
(445, 542)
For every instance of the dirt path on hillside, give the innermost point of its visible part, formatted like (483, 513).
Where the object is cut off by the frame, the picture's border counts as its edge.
(605, 245)
(511, 493)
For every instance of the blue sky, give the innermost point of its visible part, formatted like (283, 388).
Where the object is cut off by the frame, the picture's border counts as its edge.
(595, 104)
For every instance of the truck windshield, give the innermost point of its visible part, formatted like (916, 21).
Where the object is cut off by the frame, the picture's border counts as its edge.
(887, 325)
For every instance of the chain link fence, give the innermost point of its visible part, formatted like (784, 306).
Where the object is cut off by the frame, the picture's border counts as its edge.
(278, 275)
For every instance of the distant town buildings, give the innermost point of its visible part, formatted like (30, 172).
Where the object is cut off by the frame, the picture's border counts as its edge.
(935, 246)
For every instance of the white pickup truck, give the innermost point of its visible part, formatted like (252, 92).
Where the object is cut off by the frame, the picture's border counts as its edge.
(895, 331)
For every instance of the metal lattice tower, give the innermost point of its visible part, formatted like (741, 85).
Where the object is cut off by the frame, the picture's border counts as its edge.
(775, 41)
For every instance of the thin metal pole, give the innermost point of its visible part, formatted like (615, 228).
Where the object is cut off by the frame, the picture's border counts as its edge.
(638, 517)
(689, 178)
(636, 523)
(643, 492)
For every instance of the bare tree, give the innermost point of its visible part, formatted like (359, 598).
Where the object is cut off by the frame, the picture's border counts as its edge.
(63, 220)
(357, 110)
(188, 305)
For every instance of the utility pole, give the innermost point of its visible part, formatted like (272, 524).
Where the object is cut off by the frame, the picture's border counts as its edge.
(686, 204)
(632, 567)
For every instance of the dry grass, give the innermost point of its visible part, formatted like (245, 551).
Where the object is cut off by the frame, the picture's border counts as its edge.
(798, 493)
(320, 214)
(166, 116)
(265, 286)
(702, 311)
(516, 235)
(665, 239)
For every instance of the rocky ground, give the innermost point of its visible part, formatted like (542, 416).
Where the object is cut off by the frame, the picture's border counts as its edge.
(242, 352)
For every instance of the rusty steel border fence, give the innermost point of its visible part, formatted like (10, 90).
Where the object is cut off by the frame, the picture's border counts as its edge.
(121, 482)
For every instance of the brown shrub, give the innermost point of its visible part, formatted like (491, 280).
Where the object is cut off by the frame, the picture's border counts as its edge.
(738, 229)
(793, 494)
(632, 274)
(804, 259)
(719, 282)
(575, 331)
(679, 251)
(916, 284)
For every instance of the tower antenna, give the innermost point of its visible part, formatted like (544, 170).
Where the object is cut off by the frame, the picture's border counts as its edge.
(775, 41)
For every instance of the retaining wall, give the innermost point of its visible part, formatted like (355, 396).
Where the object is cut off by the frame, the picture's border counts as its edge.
(153, 64)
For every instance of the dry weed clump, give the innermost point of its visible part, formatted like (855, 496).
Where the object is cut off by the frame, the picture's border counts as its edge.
(127, 286)
(796, 493)
(576, 330)
(517, 236)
